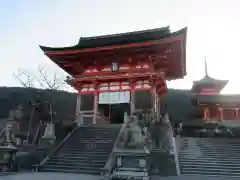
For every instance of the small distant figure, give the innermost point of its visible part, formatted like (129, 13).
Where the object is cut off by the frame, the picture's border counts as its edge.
(177, 128)
(180, 126)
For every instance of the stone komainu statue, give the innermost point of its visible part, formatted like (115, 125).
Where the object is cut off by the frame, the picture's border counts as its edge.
(161, 133)
(132, 136)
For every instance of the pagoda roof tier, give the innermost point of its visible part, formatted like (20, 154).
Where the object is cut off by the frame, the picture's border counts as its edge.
(168, 49)
(208, 81)
(217, 99)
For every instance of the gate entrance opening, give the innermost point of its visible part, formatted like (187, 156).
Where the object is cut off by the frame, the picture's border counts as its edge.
(113, 105)
(114, 112)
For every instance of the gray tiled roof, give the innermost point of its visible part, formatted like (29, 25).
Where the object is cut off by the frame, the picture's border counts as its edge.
(121, 38)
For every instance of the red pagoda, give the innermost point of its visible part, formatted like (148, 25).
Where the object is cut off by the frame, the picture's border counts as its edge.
(212, 106)
(120, 73)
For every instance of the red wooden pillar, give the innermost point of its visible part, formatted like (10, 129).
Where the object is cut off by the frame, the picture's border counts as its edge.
(132, 101)
(78, 104)
(96, 101)
(206, 114)
(157, 105)
(154, 99)
(236, 113)
(153, 96)
(132, 96)
(220, 113)
(78, 107)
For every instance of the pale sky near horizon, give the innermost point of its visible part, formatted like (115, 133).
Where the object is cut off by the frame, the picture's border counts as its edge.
(213, 30)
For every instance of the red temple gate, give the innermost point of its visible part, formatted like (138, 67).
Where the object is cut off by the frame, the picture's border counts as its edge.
(116, 67)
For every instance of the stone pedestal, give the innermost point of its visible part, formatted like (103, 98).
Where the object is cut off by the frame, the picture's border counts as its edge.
(7, 156)
(131, 163)
(79, 119)
(49, 134)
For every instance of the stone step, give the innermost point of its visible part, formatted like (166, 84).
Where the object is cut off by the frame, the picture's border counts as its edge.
(196, 157)
(209, 156)
(79, 145)
(90, 153)
(207, 147)
(213, 153)
(209, 161)
(73, 167)
(211, 148)
(81, 171)
(97, 138)
(96, 141)
(210, 166)
(91, 147)
(208, 144)
(83, 150)
(77, 163)
(209, 172)
(80, 152)
(86, 148)
(74, 160)
(80, 157)
(97, 132)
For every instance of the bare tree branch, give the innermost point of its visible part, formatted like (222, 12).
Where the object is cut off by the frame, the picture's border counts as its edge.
(25, 78)
(45, 79)
(51, 82)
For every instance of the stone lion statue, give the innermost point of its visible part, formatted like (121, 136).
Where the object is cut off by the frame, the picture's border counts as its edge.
(162, 133)
(133, 136)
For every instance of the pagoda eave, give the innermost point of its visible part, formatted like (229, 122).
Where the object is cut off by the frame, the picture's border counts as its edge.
(218, 85)
(178, 35)
(217, 82)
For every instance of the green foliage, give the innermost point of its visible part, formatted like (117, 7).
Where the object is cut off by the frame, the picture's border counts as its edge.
(64, 103)
(178, 104)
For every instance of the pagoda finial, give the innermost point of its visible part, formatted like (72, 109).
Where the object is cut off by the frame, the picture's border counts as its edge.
(206, 70)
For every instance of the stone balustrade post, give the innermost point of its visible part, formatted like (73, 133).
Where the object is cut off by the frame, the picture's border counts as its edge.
(125, 117)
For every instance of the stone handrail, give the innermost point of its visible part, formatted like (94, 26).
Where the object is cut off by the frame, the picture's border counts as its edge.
(176, 153)
(111, 161)
(37, 133)
(57, 147)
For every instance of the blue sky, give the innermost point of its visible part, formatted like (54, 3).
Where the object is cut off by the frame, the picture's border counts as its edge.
(213, 30)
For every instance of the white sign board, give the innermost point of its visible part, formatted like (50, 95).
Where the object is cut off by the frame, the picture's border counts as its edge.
(114, 97)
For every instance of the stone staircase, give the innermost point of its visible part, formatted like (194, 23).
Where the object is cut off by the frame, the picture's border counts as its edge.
(210, 156)
(85, 152)
(162, 164)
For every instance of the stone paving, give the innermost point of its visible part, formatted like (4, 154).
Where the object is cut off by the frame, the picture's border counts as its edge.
(68, 176)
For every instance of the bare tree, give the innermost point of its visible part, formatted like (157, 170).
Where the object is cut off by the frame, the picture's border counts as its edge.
(50, 82)
(25, 78)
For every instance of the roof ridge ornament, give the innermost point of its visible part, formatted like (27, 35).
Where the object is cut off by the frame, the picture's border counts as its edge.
(205, 66)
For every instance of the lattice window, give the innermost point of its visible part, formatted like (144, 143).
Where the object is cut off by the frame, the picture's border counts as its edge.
(114, 86)
(88, 88)
(143, 84)
(142, 66)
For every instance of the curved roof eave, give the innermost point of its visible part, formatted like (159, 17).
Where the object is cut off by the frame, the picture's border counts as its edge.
(46, 48)
(223, 82)
(166, 28)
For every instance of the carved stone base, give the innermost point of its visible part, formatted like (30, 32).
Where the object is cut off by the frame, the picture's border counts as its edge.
(131, 164)
(7, 155)
(49, 134)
